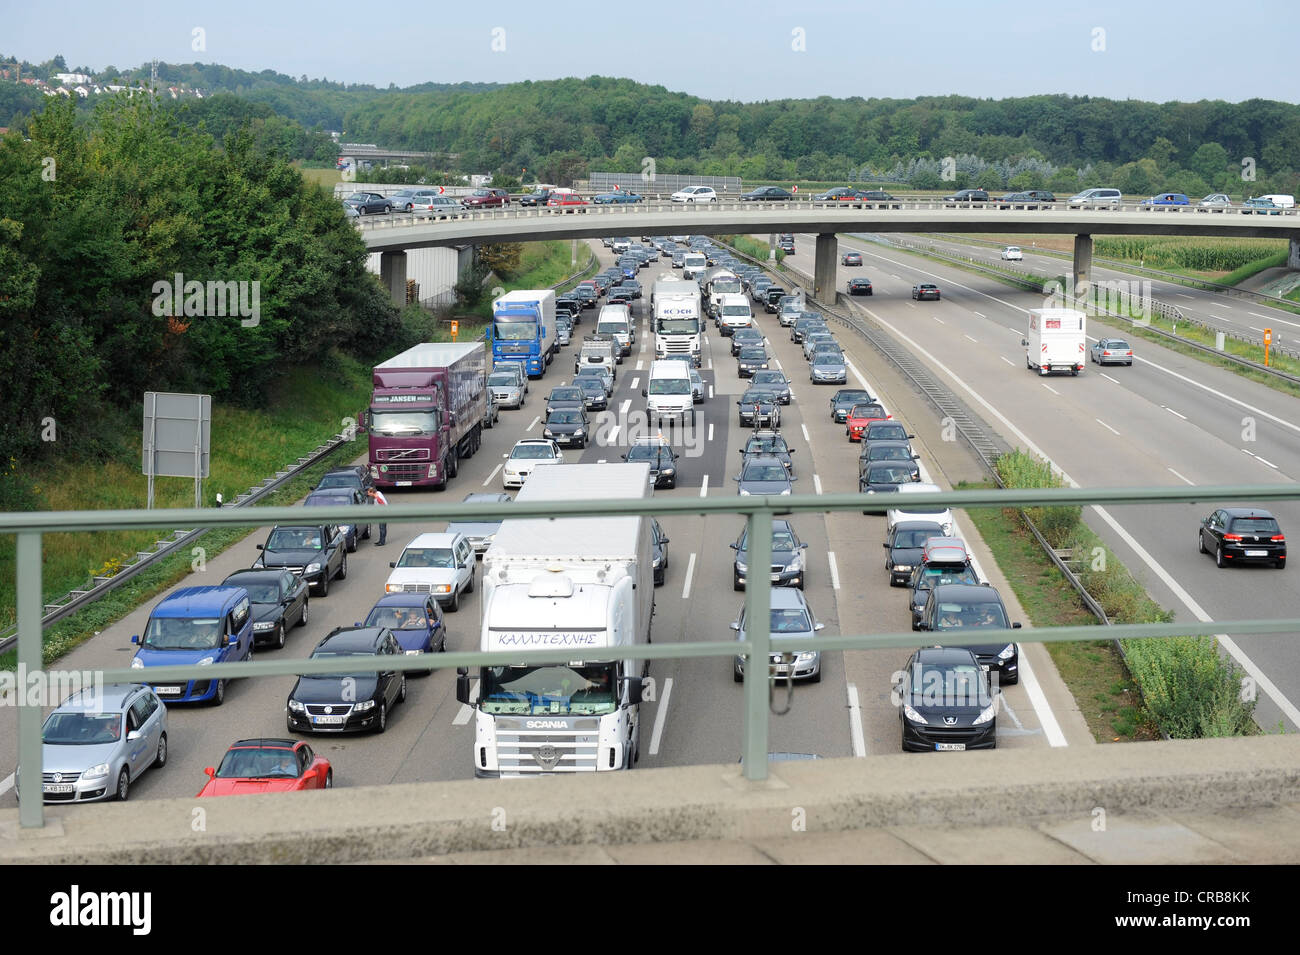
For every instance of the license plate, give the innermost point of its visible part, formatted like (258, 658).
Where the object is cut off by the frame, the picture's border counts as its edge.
(776, 577)
(402, 483)
(168, 690)
(327, 720)
(57, 788)
(984, 667)
(950, 747)
(1256, 553)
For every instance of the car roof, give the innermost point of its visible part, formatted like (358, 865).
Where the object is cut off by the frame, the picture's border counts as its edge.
(197, 601)
(785, 598)
(486, 497)
(946, 656)
(755, 457)
(265, 744)
(96, 699)
(433, 539)
(967, 593)
(401, 600)
(1247, 512)
(352, 638)
(254, 576)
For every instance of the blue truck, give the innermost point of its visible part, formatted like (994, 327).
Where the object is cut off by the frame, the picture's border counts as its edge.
(523, 329)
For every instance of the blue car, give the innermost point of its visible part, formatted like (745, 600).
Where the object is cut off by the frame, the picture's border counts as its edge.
(1168, 199)
(196, 625)
(607, 198)
(415, 619)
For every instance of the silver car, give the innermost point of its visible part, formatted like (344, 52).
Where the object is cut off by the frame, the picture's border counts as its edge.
(506, 389)
(99, 741)
(791, 617)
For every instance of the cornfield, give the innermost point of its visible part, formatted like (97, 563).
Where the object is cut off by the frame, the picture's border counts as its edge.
(1202, 255)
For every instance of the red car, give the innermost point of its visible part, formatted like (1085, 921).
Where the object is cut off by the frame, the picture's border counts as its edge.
(566, 199)
(268, 766)
(486, 199)
(862, 415)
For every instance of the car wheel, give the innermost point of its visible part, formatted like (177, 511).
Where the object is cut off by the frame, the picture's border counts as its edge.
(737, 675)
(219, 696)
(329, 779)
(1218, 557)
(325, 584)
(160, 760)
(302, 619)
(123, 785)
(279, 636)
(469, 588)
(1200, 543)
(455, 601)
(343, 568)
(383, 718)
(352, 543)
(736, 584)
(401, 690)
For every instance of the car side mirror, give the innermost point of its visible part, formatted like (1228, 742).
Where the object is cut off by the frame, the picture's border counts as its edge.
(820, 626)
(392, 563)
(132, 735)
(234, 638)
(735, 625)
(884, 545)
(135, 638)
(732, 545)
(210, 772)
(664, 540)
(634, 687)
(922, 625)
(462, 685)
(260, 547)
(644, 393)
(1025, 342)
(1016, 625)
(358, 624)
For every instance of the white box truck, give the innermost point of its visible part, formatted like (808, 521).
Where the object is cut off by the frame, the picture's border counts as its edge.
(583, 584)
(1056, 341)
(676, 318)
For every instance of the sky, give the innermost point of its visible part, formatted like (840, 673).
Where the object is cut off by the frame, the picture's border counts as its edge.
(716, 49)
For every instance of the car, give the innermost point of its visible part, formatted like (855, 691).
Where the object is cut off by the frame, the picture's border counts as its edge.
(481, 532)
(930, 573)
(884, 452)
(436, 207)
(1031, 195)
(965, 607)
(278, 600)
(925, 291)
(861, 415)
(851, 258)
(565, 396)
(267, 766)
(757, 408)
(563, 199)
(601, 373)
(844, 400)
(1259, 205)
(1217, 200)
(487, 199)
(621, 295)
(441, 564)
(758, 286)
(695, 194)
(813, 339)
(593, 392)
(968, 195)
(697, 386)
(1281, 199)
(563, 329)
(1167, 199)
(342, 496)
(886, 477)
(491, 410)
(769, 442)
(885, 430)
(763, 474)
(571, 307)
(860, 287)
(845, 194)
(909, 506)
(317, 553)
(529, 453)
(786, 246)
(631, 285)
(569, 426)
(196, 626)
(1012, 253)
(659, 545)
(403, 200)
(661, 458)
(828, 367)
(750, 359)
(415, 619)
(1100, 196)
(352, 702)
(766, 194)
(803, 326)
(903, 548)
(746, 337)
(791, 309)
(537, 197)
(99, 740)
(506, 388)
(368, 203)
(791, 617)
(354, 476)
(774, 380)
(679, 258)
(616, 197)
(945, 703)
(1242, 535)
(1111, 351)
(350, 212)
(771, 298)
(788, 564)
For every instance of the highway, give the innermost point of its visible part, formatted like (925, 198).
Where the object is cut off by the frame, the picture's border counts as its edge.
(696, 714)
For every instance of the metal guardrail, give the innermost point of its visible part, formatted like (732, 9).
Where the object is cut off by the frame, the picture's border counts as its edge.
(759, 511)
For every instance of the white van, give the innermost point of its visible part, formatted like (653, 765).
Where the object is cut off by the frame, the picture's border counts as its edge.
(1281, 200)
(668, 394)
(733, 312)
(1096, 197)
(616, 320)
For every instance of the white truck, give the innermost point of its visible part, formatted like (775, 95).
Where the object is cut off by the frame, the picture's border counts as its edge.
(693, 263)
(719, 282)
(676, 318)
(733, 312)
(582, 584)
(1056, 341)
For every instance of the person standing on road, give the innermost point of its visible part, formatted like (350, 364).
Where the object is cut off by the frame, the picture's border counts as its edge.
(377, 496)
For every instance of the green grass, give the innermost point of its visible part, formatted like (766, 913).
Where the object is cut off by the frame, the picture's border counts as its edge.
(541, 265)
(752, 247)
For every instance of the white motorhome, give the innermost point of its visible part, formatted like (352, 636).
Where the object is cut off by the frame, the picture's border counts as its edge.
(676, 318)
(668, 392)
(734, 312)
(1056, 341)
(581, 584)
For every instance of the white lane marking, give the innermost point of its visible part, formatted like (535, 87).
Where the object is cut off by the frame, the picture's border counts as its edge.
(489, 478)
(622, 409)
(6, 784)
(779, 366)
(855, 723)
(806, 436)
(972, 339)
(938, 319)
(690, 572)
(1012, 328)
(835, 570)
(710, 391)
(709, 366)
(1050, 388)
(1260, 460)
(1105, 425)
(661, 712)
(1180, 477)
(1184, 295)
(1254, 329)
(1108, 377)
(710, 430)
(1007, 360)
(1173, 412)
(817, 483)
(534, 424)
(466, 711)
(704, 487)
(1217, 305)
(636, 380)
(601, 460)
(640, 366)
(980, 315)
(858, 375)
(1260, 315)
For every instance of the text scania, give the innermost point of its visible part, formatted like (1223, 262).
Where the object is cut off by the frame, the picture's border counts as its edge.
(195, 299)
(48, 687)
(77, 908)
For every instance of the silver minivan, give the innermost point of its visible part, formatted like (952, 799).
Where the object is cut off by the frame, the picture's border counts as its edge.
(1097, 197)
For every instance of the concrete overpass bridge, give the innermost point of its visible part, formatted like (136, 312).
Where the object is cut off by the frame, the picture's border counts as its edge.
(391, 236)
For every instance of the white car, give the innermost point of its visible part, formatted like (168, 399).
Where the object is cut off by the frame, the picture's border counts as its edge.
(438, 564)
(918, 511)
(1012, 253)
(695, 194)
(526, 455)
(1217, 200)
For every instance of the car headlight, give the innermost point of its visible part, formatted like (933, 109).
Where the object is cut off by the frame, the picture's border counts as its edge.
(206, 661)
(1007, 652)
(296, 707)
(413, 653)
(259, 563)
(785, 492)
(579, 433)
(313, 567)
(902, 567)
(668, 471)
(744, 493)
(914, 716)
(263, 625)
(796, 562)
(806, 656)
(986, 714)
(364, 705)
(546, 433)
(95, 772)
(137, 663)
(442, 588)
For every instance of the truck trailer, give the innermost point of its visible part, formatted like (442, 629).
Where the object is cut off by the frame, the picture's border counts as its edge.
(1056, 341)
(523, 329)
(584, 584)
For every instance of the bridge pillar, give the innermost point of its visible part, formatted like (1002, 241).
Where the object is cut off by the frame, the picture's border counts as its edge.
(824, 266)
(392, 272)
(1293, 257)
(1082, 267)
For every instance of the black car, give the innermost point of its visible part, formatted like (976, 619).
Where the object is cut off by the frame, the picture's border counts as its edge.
(568, 426)
(660, 545)
(846, 398)
(770, 442)
(621, 296)
(968, 195)
(759, 408)
(631, 285)
(585, 295)
(746, 337)
(945, 703)
(884, 452)
(766, 194)
(844, 194)
(315, 552)
(903, 548)
(354, 476)
(789, 563)
(925, 291)
(1242, 535)
(803, 326)
(774, 380)
(1032, 195)
(926, 576)
(367, 203)
(772, 297)
(334, 497)
(566, 396)
(884, 431)
(662, 460)
(348, 702)
(593, 392)
(278, 601)
(860, 287)
(883, 478)
(571, 307)
(750, 359)
(963, 607)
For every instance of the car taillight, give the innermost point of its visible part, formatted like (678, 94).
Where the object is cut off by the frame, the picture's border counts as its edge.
(1232, 537)
(1279, 538)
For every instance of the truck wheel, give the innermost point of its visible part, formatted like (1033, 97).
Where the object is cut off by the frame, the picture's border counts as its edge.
(453, 464)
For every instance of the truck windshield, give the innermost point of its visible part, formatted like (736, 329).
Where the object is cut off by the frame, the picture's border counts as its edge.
(721, 286)
(679, 326)
(670, 386)
(403, 422)
(515, 331)
(588, 690)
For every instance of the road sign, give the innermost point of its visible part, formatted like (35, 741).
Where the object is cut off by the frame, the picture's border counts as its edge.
(177, 438)
(1268, 341)
(794, 188)
(442, 190)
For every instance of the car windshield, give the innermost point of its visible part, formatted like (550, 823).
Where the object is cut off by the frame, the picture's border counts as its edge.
(960, 684)
(565, 416)
(782, 541)
(503, 379)
(1116, 343)
(82, 729)
(887, 432)
(259, 764)
(769, 377)
(427, 557)
(765, 472)
(294, 538)
(260, 593)
(670, 386)
(935, 576)
(329, 500)
(338, 480)
(183, 633)
(566, 394)
(397, 618)
(890, 474)
(735, 310)
(554, 690)
(766, 443)
(889, 452)
(1255, 525)
(750, 354)
(611, 328)
(645, 452)
(515, 331)
(403, 422)
(532, 452)
(851, 397)
(984, 614)
(913, 538)
(867, 411)
(790, 620)
(590, 385)
(756, 398)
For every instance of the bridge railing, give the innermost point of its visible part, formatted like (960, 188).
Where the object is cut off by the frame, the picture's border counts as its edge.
(757, 647)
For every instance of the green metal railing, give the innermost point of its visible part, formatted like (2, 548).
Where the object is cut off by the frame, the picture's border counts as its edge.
(756, 647)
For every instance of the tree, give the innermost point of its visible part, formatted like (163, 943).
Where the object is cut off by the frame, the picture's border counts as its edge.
(1210, 161)
(989, 179)
(1162, 152)
(927, 179)
(1133, 180)
(502, 258)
